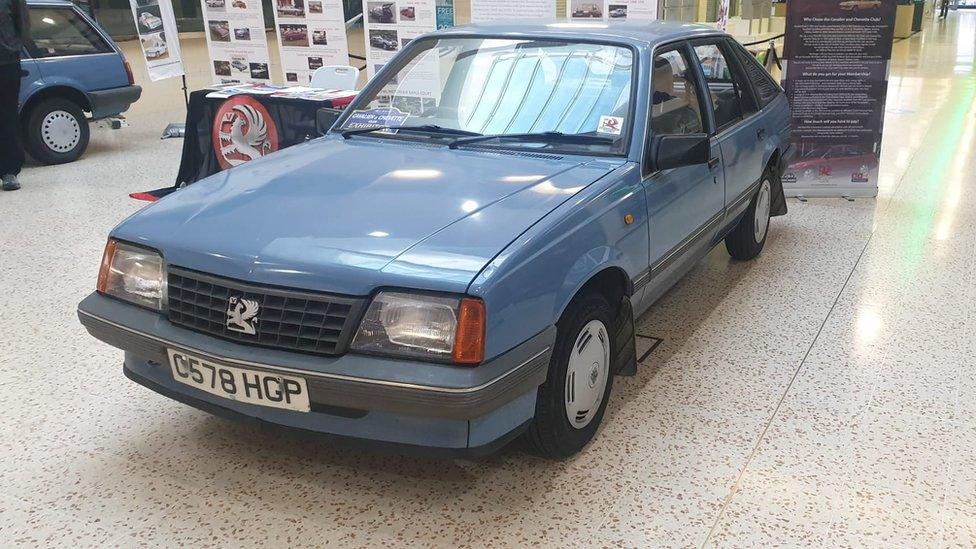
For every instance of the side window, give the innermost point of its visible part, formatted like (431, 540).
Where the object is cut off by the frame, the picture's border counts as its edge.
(766, 88)
(727, 94)
(675, 106)
(61, 31)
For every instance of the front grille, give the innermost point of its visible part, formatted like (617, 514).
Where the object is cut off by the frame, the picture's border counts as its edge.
(294, 320)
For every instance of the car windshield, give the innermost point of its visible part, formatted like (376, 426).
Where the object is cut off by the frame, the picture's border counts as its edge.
(527, 93)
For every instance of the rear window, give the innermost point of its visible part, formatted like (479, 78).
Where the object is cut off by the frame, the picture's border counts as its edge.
(57, 32)
(766, 88)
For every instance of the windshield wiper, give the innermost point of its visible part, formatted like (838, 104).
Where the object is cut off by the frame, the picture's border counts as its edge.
(541, 137)
(430, 128)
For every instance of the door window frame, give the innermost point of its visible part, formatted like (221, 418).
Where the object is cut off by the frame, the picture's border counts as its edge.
(736, 74)
(682, 45)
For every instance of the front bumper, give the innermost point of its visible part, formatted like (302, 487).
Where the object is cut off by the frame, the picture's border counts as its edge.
(389, 400)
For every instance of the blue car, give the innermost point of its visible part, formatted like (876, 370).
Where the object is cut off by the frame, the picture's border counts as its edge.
(69, 68)
(460, 260)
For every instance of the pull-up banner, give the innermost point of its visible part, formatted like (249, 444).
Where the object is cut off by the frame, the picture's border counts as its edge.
(611, 10)
(236, 41)
(311, 34)
(158, 37)
(836, 69)
(483, 11)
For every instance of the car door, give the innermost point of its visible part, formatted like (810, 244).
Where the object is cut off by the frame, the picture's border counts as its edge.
(684, 204)
(738, 129)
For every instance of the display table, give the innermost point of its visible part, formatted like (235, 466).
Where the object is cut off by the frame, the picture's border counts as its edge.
(228, 126)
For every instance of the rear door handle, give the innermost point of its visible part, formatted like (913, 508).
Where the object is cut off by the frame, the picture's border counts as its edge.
(713, 163)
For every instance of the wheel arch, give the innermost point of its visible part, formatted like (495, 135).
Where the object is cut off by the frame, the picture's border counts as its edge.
(74, 95)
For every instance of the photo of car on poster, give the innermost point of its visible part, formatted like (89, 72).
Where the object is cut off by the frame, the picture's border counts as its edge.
(237, 46)
(618, 10)
(154, 20)
(311, 34)
(391, 25)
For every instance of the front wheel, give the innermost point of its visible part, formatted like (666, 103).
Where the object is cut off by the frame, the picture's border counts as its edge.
(747, 239)
(571, 403)
(56, 132)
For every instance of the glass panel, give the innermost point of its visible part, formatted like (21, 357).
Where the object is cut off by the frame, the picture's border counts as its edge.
(497, 86)
(675, 108)
(60, 31)
(722, 89)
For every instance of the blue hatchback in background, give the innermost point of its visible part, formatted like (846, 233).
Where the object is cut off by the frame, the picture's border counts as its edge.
(461, 259)
(71, 67)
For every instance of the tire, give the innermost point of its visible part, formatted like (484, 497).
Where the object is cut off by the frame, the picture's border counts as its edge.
(56, 131)
(747, 239)
(583, 335)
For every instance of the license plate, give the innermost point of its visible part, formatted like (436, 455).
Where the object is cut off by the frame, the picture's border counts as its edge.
(250, 386)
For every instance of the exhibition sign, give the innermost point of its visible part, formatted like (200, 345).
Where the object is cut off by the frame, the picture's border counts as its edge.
(236, 41)
(611, 10)
(483, 11)
(158, 37)
(311, 34)
(836, 69)
(389, 26)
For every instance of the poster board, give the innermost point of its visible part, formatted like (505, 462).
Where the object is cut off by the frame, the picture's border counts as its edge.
(836, 71)
(388, 25)
(311, 34)
(484, 11)
(611, 10)
(158, 37)
(236, 42)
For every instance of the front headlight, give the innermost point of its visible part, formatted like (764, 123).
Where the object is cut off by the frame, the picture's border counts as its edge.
(424, 326)
(132, 273)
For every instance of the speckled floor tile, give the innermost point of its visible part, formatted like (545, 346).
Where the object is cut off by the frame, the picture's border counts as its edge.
(821, 395)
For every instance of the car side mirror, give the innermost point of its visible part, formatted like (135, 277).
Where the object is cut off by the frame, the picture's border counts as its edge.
(325, 118)
(676, 151)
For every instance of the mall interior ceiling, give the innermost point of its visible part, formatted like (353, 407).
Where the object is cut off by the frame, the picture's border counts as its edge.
(821, 395)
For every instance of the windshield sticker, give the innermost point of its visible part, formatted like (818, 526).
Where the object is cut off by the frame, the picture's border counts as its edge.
(376, 118)
(610, 125)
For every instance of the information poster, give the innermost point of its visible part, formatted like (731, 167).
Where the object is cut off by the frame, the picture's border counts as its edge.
(836, 79)
(158, 37)
(611, 10)
(483, 11)
(444, 10)
(311, 34)
(236, 41)
(389, 26)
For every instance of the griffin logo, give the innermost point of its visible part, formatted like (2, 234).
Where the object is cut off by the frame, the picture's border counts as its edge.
(241, 315)
(243, 130)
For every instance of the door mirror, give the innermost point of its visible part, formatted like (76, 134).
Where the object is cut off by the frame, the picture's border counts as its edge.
(325, 118)
(675, 151)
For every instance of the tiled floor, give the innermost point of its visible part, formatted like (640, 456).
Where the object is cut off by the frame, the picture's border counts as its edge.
(823, 395)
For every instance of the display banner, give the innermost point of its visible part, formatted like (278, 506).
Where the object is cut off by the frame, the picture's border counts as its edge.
(483, 11)
(836, 70)
(311, 34)
(444, 13)
(236, 41)
(722, 15)
(389, 26)
(158, 37)
(611, 10)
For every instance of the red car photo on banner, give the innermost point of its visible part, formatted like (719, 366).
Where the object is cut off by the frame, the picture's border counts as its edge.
(243, 130)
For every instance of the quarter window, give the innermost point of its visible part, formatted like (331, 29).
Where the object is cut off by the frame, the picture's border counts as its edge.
(60, 31)
(725, 92)
(675, 107)
(764, 85)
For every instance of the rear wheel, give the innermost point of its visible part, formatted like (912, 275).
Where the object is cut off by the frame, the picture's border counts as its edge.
(571, 403)
(747, 239)
(56, 132)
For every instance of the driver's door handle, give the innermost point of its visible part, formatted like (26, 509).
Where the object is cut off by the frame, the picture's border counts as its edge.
(713, 163)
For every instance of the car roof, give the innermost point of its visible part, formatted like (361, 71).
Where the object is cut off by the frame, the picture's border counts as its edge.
(631, 32)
